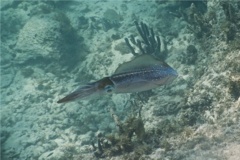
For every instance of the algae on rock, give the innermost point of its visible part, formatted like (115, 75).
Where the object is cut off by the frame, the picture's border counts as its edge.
(123, 142)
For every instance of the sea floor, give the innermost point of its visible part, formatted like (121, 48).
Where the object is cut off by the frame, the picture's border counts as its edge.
(49, 48)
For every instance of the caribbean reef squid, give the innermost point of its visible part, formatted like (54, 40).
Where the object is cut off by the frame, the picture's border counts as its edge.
(143, 73)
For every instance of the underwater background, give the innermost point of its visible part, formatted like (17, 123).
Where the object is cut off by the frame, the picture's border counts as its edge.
(48, 48)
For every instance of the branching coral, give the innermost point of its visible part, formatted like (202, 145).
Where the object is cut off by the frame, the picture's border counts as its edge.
(231, 26)
(150, 44)
(206, 24)
(198, 22)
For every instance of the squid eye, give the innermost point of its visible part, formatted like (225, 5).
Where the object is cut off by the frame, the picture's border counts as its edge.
(108, 88)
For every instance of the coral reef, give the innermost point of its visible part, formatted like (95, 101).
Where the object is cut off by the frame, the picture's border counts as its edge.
(67, 43)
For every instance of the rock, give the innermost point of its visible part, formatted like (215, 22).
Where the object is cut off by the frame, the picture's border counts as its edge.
(111, 19)
(7, 70)
(7, 77)
(40, 37)
(190, 57)
(46, 37)
(6, 57)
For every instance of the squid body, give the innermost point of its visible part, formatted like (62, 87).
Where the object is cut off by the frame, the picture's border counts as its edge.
(143, 73)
